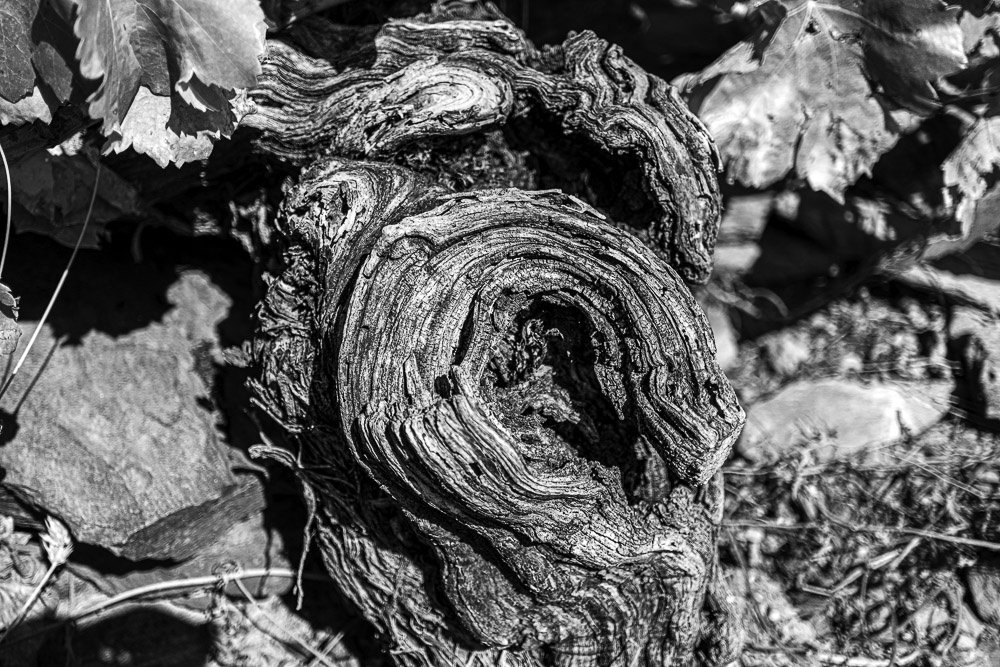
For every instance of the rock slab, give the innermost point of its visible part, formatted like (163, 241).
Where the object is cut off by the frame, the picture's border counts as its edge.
(838, 418)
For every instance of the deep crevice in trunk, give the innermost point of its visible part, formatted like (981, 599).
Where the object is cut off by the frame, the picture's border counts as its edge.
(575, 164)
(548, 394)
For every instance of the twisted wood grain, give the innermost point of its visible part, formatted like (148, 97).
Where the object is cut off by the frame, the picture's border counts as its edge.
(412, 294)
(371, 92)
(506, 408)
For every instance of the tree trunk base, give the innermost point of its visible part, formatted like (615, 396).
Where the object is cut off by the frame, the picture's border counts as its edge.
(508, 411)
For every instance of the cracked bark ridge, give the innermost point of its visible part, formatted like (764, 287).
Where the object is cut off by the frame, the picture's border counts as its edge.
(638, 153)
(511, 420)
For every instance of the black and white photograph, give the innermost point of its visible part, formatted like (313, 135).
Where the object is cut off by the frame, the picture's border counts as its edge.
(499, 333)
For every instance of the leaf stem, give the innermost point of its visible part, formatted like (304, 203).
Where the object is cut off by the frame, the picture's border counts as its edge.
(55, 294)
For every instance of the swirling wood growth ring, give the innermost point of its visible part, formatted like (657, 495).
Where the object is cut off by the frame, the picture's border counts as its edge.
(536, 392)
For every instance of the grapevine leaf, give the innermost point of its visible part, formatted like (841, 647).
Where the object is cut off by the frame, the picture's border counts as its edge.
(152, 55)
(222, 112)
(168, 130)
(105, 51)
(808, 94)
(17, 77)
(220, 42)
(145, 130)
(909, 45)
(172, 48)
(36, 49)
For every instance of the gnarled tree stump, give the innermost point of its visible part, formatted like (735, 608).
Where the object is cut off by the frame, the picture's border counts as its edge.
(508, 408)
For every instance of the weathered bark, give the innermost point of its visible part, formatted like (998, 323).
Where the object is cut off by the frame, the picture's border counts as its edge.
(509, 413)
(597, 125)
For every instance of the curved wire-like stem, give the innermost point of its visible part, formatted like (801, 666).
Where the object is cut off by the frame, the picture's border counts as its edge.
(55, 293)
(10, 205)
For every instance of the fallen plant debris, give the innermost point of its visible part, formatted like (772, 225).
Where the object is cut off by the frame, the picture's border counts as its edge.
(866, 587)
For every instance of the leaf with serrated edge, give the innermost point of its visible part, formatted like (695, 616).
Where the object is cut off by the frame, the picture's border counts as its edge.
(220, 42)
(148, 129)
(154, 43)
(151, 51)
(799, 99)
(105, 52)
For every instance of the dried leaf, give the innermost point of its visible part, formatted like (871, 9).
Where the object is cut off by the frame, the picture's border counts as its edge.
(36, 61)
(57, 541)
(810, 93)
(54, 56)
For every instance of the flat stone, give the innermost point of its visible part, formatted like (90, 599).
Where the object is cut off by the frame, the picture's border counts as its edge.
(837, 418)
(112, 433)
